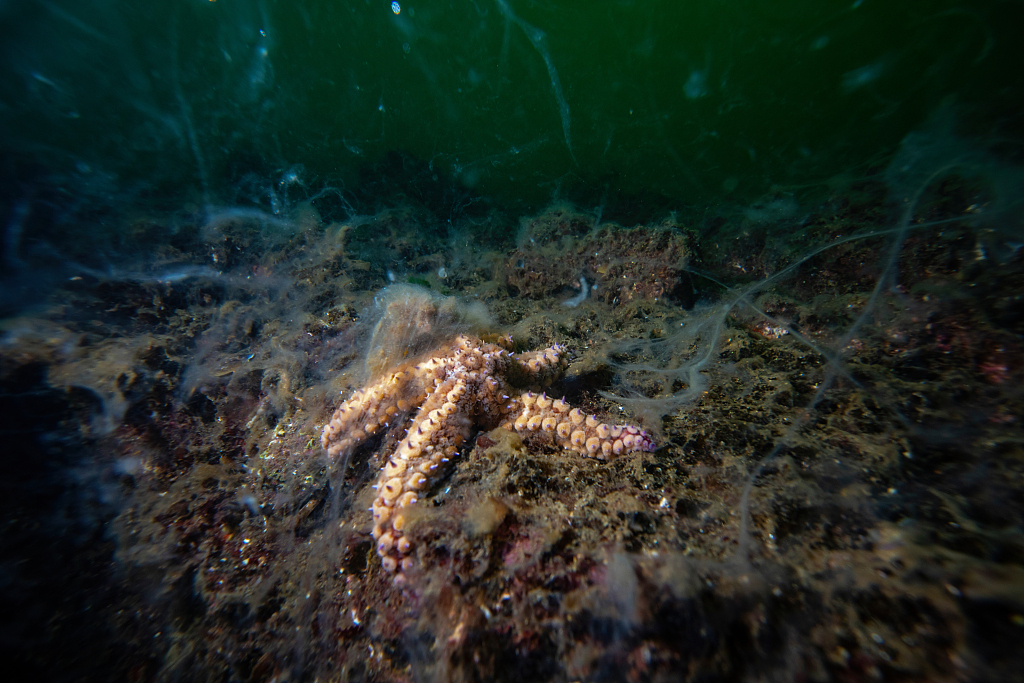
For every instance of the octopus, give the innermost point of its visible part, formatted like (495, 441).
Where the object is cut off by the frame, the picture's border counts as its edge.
(465, 385)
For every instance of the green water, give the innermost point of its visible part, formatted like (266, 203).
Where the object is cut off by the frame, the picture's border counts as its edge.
(634, 106)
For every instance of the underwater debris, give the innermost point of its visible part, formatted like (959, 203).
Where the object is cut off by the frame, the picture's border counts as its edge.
(581, 297)
(539, 41)
(412, 319)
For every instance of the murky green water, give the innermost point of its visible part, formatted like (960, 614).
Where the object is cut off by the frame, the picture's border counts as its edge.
(665, 102)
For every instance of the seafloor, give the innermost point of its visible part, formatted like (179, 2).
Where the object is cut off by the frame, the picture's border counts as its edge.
(836, 495)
